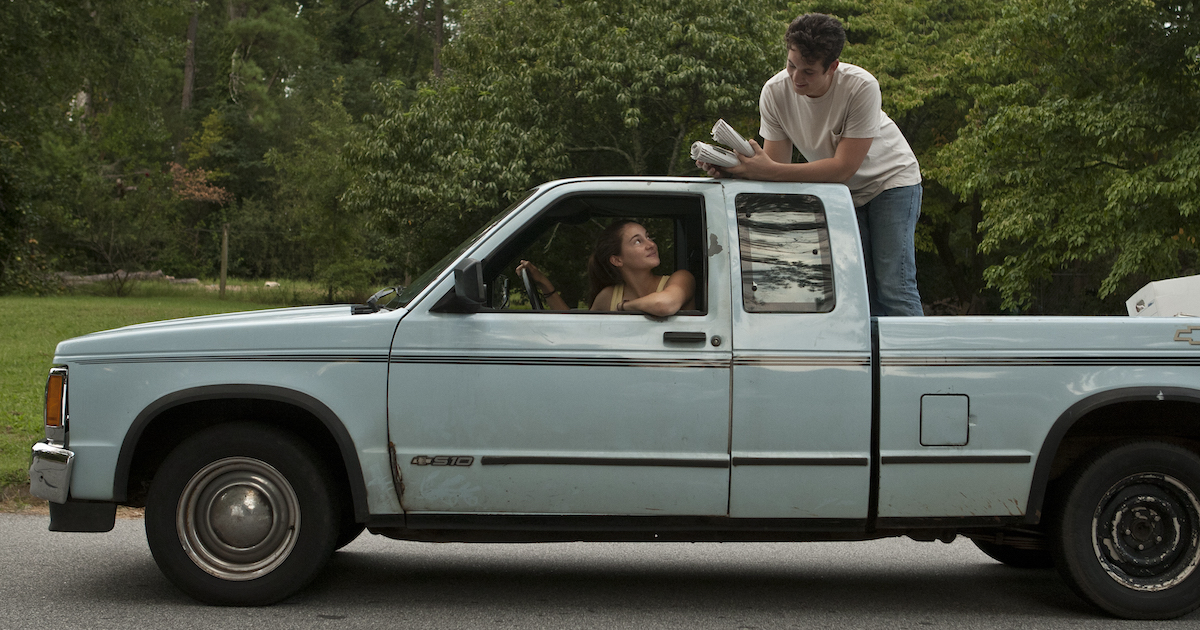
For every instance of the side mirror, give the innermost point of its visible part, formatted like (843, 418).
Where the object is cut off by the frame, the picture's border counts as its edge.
(468, 281)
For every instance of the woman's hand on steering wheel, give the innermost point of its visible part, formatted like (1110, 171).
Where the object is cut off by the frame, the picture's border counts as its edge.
(530, 276)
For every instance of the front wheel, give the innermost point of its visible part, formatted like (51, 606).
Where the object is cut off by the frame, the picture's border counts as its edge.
(241, 515)
(1128, 536)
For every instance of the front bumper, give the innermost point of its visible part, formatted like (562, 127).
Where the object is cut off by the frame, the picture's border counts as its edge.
(50, 472)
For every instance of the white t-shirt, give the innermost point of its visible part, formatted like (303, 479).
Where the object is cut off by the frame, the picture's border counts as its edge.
(851, 108)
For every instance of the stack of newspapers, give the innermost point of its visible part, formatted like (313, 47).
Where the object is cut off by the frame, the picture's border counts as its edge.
(723, 133)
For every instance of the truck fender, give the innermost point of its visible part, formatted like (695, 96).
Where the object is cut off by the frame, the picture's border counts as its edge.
(331, 422)
(1077, 411)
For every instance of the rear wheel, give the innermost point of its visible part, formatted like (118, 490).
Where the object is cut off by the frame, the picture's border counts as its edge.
(241, 515)
(1128, 536)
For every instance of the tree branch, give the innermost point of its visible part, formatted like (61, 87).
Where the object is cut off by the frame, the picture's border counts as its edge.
(673, 165)
(365, 3)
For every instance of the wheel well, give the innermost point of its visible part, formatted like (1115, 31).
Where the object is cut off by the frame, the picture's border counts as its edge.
(174, 425)
(1107, 420)
(1169, 421)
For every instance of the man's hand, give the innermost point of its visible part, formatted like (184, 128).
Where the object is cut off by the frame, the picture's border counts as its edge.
(773, 163)
(756, 167)
(712, 169)
(760, 166)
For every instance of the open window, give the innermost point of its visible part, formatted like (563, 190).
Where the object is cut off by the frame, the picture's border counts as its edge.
(560, 240)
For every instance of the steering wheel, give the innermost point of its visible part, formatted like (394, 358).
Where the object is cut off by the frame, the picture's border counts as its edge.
(535, 298)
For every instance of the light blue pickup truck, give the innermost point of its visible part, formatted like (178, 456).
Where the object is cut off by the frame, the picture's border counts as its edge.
(778, 409)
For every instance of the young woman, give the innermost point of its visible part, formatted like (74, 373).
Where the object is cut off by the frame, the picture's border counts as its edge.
(621, 273)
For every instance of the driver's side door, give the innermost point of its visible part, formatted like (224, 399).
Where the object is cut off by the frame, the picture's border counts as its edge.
(521, 412)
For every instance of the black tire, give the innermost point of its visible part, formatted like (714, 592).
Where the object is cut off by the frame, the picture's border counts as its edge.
(1128, 536)
(1016, 558)
(241, 515)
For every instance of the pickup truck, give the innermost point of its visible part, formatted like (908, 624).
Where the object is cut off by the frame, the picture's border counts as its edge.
(779, 409)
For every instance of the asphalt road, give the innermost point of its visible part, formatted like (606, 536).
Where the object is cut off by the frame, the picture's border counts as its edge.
(55, 580)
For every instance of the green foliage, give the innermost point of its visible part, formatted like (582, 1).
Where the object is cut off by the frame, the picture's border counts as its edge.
(55, 98)
(538, 90)
(90, 100)
(362, 43)
(270, 45)
(97, 216)
(1058, 138)
(310, 179)
(1082, 146)
(211, 139)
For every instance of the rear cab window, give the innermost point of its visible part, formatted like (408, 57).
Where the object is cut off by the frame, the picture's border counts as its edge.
(787, 266)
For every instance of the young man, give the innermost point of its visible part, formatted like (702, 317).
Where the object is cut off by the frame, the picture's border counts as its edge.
(832, 112)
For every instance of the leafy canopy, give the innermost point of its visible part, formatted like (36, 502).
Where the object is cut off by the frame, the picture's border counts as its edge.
(1084, 143)
(537, 90)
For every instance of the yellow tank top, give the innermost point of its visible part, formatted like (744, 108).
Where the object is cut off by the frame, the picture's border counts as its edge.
(618, 294)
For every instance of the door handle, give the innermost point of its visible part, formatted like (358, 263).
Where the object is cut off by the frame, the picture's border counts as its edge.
(685, 337)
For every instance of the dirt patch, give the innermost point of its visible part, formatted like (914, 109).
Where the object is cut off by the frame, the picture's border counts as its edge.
(17, 500)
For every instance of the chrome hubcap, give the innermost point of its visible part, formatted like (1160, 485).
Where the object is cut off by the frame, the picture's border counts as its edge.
(241, 517)
(238, 518)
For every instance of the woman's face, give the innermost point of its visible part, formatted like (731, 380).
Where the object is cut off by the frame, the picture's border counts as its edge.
(638, 251)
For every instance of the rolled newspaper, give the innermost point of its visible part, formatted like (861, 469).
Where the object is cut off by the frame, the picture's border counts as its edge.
(704, 152)
(723, 133)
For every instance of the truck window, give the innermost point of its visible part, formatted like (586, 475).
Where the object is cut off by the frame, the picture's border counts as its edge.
(560, 241)
(786, 262)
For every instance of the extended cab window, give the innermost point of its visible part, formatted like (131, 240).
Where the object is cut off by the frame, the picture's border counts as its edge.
(786, 262)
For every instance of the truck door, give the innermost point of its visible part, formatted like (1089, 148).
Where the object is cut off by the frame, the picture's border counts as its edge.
(511, 411)
(801, 362)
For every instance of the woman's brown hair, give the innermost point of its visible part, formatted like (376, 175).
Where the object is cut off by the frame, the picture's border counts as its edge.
(601, 272)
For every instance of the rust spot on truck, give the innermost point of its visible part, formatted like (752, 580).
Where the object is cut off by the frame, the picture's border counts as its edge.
(397, 478)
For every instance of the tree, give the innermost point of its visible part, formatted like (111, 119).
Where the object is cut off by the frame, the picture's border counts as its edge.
(77, 121)
(534, 90)
(310, 179)
(92, 93)
(1084, 149)
(265, 71)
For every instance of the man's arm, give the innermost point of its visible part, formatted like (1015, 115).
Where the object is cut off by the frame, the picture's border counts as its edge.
(773, 163)
(778, 150)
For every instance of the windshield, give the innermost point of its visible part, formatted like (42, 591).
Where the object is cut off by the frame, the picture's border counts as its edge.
(407, 294)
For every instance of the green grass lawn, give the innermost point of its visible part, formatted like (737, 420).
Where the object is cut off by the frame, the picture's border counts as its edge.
(30, 327)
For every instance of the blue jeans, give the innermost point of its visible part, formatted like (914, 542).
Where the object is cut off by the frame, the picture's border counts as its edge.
(887, 224)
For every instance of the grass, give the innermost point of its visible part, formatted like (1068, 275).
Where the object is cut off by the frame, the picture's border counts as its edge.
(289, 293)
(33, 326)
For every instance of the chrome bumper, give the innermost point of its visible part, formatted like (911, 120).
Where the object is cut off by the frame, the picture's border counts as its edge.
(50, 472)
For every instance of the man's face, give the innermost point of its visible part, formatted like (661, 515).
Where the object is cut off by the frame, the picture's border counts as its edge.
(809, 78)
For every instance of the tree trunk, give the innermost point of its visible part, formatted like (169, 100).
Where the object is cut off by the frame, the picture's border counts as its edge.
(237, 10)
(439, 24)
(224, 256)
(189, 60)
(436, 30)
(673, 166)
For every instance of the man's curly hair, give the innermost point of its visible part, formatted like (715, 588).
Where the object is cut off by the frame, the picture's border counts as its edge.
(817, 37)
